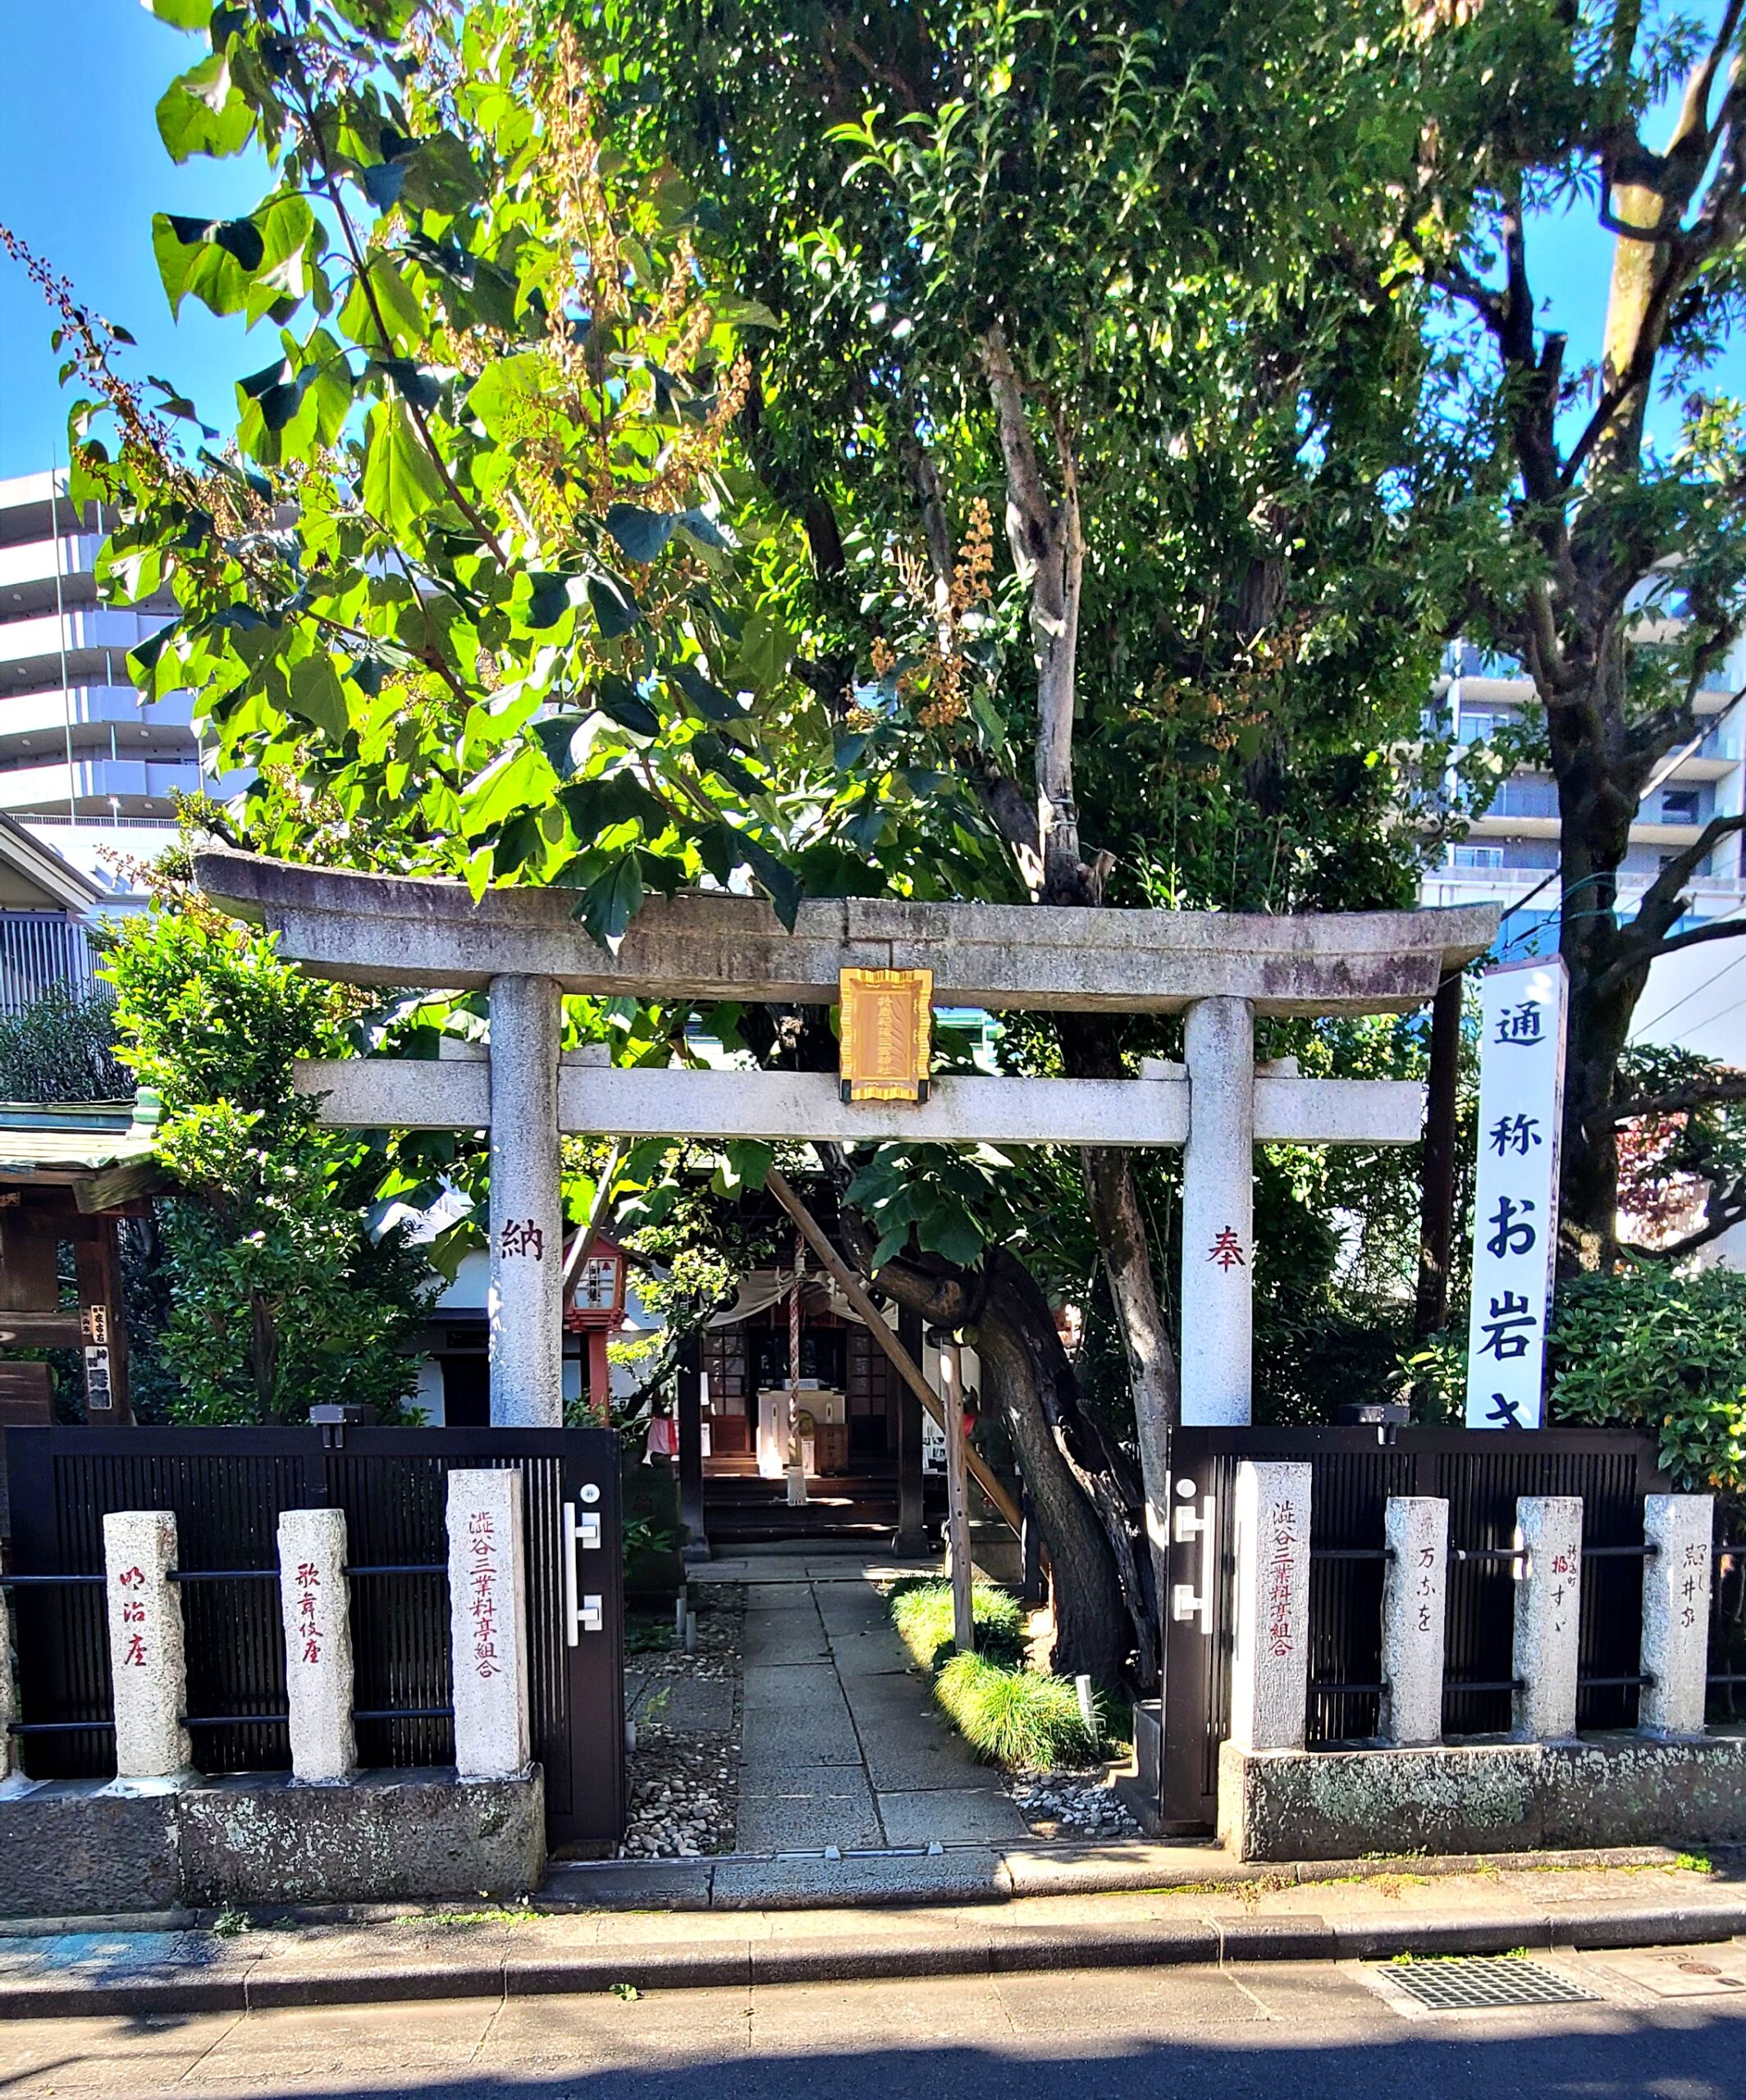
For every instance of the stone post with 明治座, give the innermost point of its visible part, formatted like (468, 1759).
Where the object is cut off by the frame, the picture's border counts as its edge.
(1270, 1656)
(316, 1605)
(1677, 1580)
(1549, 1616)
(488, 1623)
(147, 1664)
(1415, 1528)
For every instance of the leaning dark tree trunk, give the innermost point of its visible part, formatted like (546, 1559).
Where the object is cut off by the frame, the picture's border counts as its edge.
(1597, 805)
(1081, 1487)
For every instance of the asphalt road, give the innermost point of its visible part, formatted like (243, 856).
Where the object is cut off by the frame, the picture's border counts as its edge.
(1666, 2023)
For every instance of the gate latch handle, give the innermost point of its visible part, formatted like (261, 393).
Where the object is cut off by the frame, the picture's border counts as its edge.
(1187, 1600)
(581, 1614)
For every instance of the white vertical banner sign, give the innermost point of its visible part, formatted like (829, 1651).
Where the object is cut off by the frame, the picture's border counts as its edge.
(1515, 1202)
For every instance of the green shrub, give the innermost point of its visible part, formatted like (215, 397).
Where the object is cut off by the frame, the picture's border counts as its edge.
(1018, 1718)
(1651, 1350)
(921, 1611)
(61, 1048)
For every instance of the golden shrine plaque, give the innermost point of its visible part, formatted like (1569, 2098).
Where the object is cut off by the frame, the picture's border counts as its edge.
(888, 1034)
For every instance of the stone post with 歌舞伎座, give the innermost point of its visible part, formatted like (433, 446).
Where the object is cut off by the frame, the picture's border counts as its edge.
(488, 1622)
(315, 1604)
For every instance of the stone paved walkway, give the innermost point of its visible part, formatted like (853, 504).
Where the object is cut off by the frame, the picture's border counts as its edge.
(842, 1743)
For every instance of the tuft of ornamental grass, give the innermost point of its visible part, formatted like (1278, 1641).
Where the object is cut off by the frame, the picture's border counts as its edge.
(1018, 1718)
(921, 1611)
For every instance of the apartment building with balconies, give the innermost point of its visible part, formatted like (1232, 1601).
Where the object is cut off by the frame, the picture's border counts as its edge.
(82, 759)
(1696, 999)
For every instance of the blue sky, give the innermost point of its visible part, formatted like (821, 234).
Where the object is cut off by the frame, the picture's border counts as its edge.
(82, 170)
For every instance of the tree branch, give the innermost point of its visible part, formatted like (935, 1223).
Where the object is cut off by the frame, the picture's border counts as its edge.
(1661, 900)
(1722, 1214)
(1700, 1095)
(1719, 930)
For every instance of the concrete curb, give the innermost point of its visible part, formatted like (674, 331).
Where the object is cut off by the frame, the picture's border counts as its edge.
(277, 1979)
(999, 1874)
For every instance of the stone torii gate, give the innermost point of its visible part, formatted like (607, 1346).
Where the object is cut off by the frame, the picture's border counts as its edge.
(522, 947)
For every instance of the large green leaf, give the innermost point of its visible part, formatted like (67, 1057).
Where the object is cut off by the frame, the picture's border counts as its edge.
(203, 113)
(317, 696)
(400, 480)
(641, 534)
(610, 899)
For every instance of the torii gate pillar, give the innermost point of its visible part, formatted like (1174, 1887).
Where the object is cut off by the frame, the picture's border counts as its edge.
(1217, 1295)
(526, 1304)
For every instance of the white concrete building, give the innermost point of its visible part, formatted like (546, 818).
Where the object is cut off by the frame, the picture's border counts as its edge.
(1696, 1000)
(82, 760)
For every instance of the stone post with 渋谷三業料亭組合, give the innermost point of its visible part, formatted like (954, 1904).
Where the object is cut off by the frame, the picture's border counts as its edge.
(488, 1622)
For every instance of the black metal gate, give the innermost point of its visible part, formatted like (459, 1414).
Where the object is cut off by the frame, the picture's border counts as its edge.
(1353, 1473)
(227, 1487)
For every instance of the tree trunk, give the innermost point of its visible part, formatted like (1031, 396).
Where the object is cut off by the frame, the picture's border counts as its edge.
(1081, 1487)
(1599, 784)
(1105, 1610)
(1089, 1051)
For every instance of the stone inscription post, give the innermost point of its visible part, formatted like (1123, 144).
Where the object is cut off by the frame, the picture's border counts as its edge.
(1549, 1616)
(1414, 1589)
(1270, 1660)
(315, 1602)
(526, 1305)
(488, 1623)
(147, 1660)
(1675, 1612)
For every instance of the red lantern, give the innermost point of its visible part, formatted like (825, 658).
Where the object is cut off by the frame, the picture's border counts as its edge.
(596, 1309)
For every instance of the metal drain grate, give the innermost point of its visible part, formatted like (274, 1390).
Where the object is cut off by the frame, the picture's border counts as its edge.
(1473, 1983)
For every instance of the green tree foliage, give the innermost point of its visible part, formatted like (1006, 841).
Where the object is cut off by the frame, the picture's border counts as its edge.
(1654, 1349)
(278, 1297)
(461, 589)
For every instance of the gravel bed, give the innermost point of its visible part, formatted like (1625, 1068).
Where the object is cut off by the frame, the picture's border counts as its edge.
(682, 1781)
(1070, 1805)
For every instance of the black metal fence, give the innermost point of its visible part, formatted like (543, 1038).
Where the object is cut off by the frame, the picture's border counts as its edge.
(1354, 1472)
(227, 1487)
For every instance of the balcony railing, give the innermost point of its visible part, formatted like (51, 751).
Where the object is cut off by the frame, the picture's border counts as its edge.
(38, 950)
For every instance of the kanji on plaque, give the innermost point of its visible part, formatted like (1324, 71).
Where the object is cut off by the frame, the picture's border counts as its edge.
(1515, 1206)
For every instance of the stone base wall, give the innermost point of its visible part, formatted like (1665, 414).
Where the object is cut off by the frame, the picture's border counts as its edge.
(72, 1848)
(1495, 1796)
